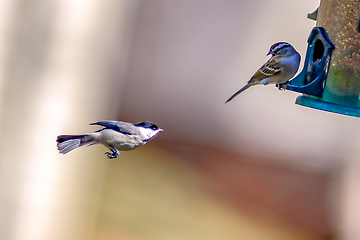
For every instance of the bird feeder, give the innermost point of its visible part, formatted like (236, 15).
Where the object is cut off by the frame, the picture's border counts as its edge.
(330, 79)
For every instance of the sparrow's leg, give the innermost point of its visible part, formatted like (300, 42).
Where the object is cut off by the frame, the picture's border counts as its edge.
(113, 154)
(281, 86)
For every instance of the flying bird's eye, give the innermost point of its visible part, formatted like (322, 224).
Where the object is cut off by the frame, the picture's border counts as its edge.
(154, 127)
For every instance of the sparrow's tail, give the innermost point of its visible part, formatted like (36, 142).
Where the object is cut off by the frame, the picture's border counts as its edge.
(67, 143)
(249, 84)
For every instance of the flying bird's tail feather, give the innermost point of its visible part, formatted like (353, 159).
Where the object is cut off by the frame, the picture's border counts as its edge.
(67, 143)
(249, 84)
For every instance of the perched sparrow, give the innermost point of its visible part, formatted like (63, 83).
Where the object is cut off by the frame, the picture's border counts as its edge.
(116, 135)
(282, 66)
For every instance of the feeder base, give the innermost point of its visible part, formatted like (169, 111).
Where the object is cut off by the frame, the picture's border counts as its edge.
(327, 106)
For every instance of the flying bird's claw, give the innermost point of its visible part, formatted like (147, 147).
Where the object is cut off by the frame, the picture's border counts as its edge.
(109, 155)
(113, 154)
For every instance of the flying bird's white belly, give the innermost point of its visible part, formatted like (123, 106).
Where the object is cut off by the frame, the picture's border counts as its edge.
(122, 142)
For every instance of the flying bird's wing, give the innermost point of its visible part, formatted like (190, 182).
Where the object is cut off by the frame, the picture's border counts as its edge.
(122, 127)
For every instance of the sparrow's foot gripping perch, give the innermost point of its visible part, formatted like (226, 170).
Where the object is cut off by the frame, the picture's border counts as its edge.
(281, 86)
(113, 154)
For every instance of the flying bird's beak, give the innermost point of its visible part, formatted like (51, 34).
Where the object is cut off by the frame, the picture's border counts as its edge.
(269, 53)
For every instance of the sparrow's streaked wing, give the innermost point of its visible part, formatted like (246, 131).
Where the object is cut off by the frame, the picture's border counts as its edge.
(269, 69)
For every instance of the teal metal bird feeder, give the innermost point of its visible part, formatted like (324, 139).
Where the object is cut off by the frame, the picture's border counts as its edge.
(330, 79)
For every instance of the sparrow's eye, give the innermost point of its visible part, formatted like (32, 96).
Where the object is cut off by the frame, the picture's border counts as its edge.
(154, 127)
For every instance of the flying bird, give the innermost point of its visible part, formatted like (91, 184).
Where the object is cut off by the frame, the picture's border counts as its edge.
(115, 135)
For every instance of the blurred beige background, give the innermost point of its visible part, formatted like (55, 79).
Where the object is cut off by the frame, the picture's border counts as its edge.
(259, 167)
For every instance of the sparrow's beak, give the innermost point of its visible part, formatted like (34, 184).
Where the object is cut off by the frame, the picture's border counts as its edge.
(269, 53)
